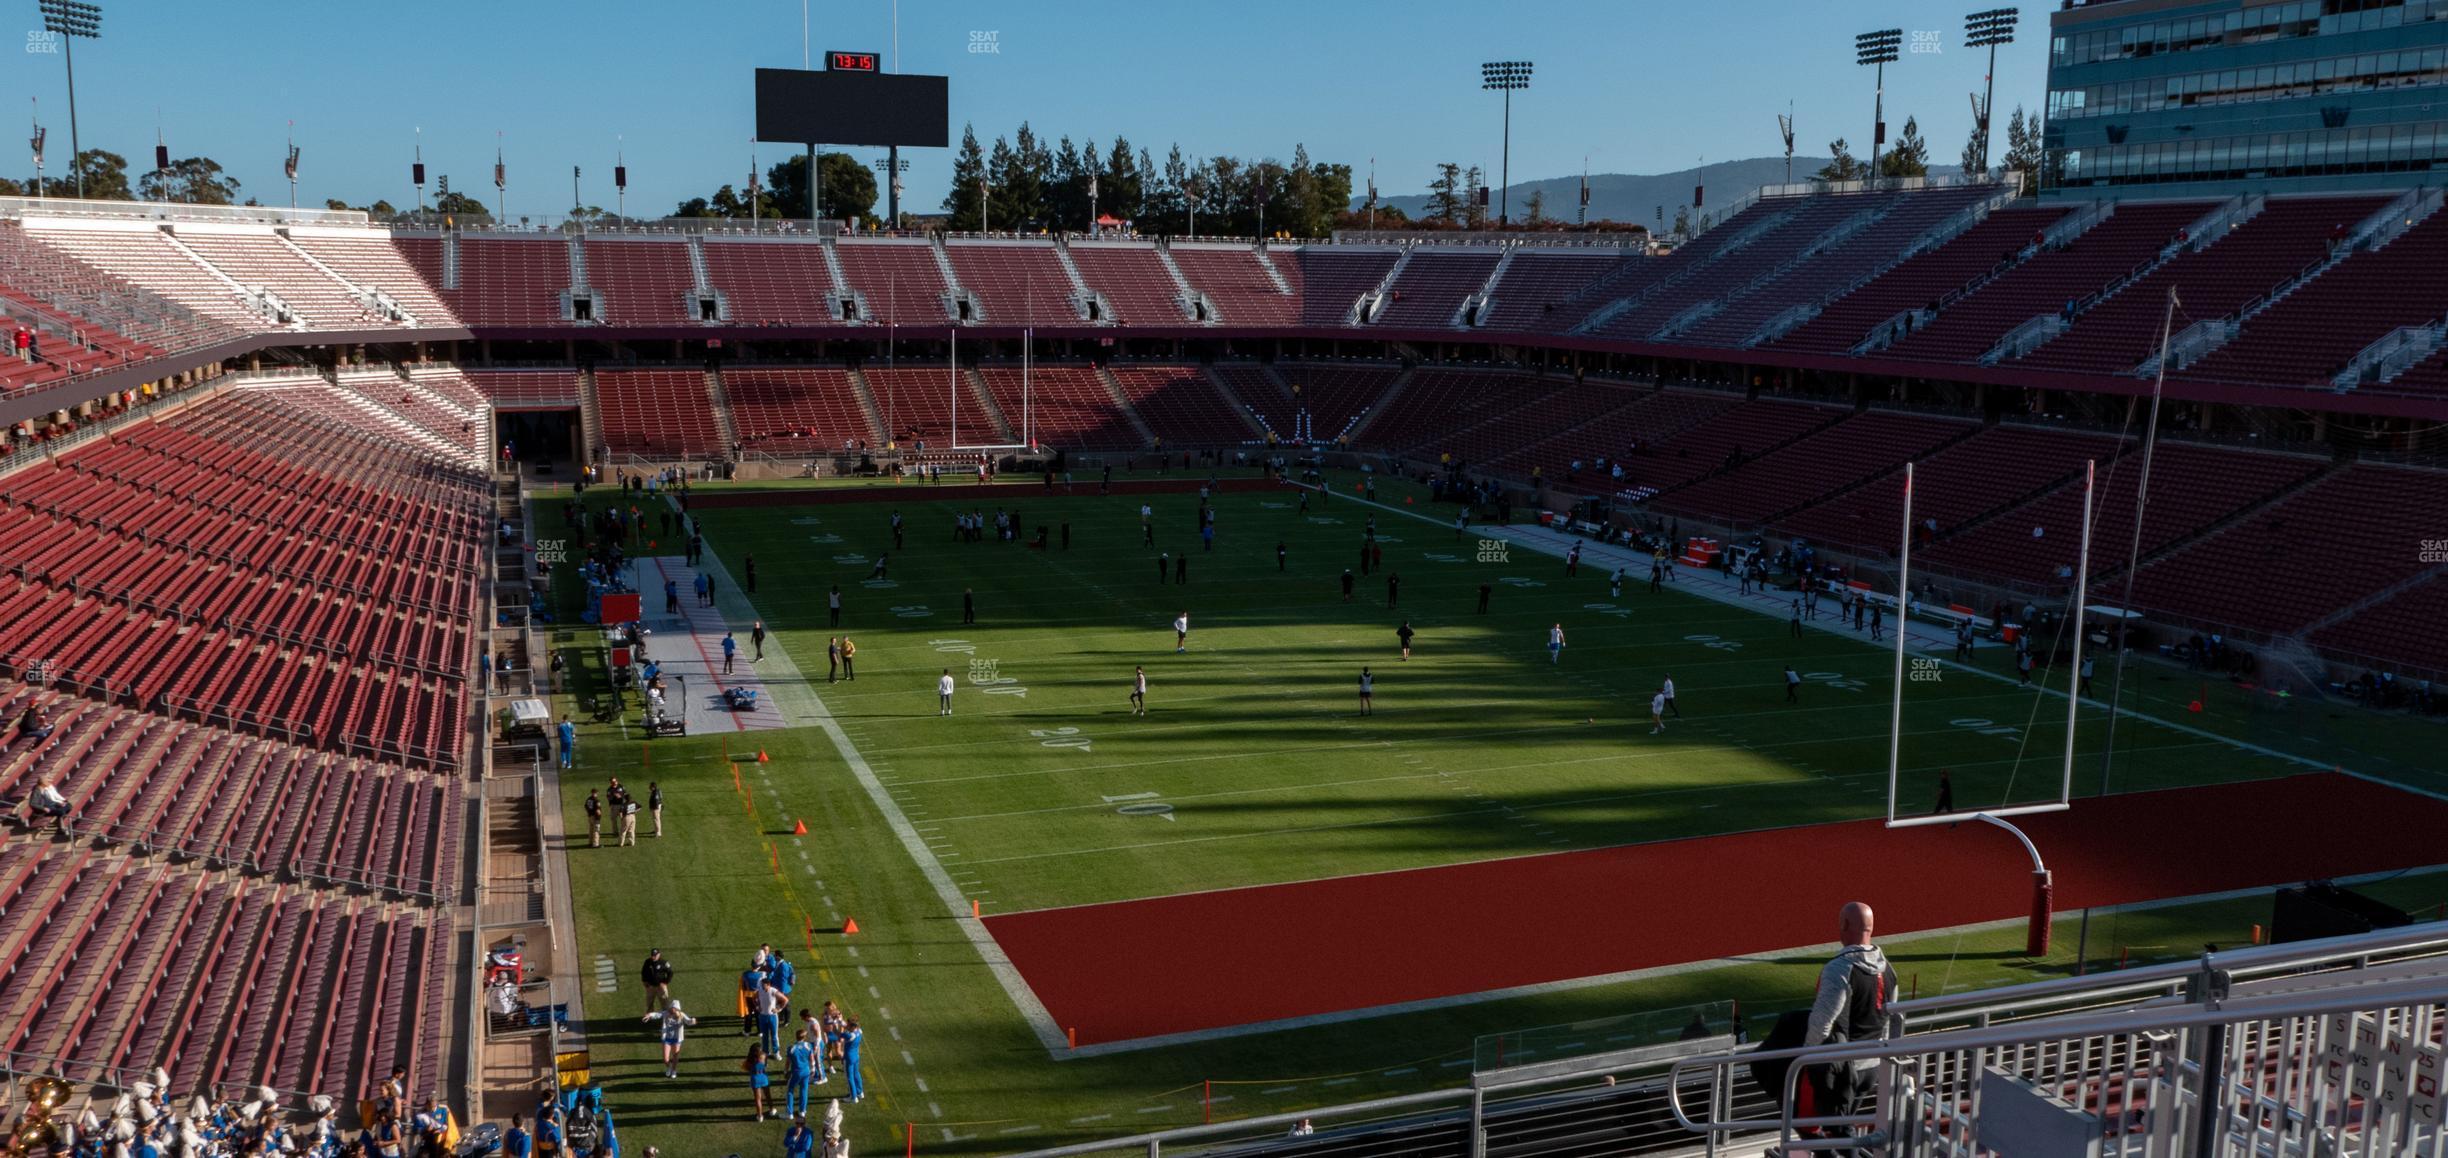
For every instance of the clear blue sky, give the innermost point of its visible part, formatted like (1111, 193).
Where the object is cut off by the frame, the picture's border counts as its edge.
(1635, 85)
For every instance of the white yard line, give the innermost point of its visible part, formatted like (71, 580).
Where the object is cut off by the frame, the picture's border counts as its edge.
(1049, 1034)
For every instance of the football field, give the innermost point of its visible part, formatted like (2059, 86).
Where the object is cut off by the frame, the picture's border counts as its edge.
(1139, 874)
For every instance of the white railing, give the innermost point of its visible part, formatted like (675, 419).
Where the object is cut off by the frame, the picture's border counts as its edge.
(1895, 328)
(2189, 345)
(2338, 1071)
(2389, 356)
(175, 211)
(2319, 1047)
(1634, 1071)
(2026, 337)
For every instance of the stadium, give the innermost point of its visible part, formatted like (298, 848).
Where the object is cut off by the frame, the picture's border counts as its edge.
(1905, 659)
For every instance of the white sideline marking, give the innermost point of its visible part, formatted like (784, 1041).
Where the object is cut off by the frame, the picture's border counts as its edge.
(1130, 796)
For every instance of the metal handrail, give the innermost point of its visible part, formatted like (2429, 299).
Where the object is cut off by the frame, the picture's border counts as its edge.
(2128, 1022)
(1475, 1093)
(2359, 948)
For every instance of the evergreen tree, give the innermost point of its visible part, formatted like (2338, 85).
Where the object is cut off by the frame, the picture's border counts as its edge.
(1020, 195)
(1474, 199)
(1445, 194)
(1842, 166)
(1066, 195)
(1909, 157)
(1300, 212)
(968, 168)
(1167, 204)
(2023, 147)
(1002, 164)
(1118, 185)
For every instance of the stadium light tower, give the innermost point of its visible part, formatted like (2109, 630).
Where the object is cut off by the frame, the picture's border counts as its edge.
(1505, 76)
(892, 166)
(69, 19)
(1988, 30)
(1878, 49)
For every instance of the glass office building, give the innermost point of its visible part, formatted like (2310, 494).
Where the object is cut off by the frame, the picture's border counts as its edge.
(2184, 97)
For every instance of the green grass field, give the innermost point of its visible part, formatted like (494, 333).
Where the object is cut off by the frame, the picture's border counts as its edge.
(1252, 766)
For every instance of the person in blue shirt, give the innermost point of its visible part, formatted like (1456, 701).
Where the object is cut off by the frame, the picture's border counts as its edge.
(757, 1079)
(799, 1141)
(782, 972)
(516, 1143)
(548, 1134)
(730, 648)
(751, 983)
(851, 1037)
(802, 1071)
(569, 742)
(704, 589)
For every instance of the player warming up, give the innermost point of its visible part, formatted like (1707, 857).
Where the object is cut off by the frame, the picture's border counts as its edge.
(1138, 696)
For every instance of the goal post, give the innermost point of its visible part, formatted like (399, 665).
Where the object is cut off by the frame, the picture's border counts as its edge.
(2043, 886)
(952, 388)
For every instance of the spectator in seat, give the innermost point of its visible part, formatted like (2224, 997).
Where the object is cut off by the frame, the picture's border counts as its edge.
(47, 803)
(34, 723)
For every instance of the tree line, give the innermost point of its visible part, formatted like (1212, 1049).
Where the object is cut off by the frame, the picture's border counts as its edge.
(1909, 157)
(193, 180)
(1024, 184)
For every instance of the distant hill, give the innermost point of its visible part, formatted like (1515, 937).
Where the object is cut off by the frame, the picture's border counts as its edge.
(1635, 197)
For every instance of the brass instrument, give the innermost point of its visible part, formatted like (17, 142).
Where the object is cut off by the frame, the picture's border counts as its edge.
(36, 1133)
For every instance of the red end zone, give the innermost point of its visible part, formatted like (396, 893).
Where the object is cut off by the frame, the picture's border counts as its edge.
(1200, 961)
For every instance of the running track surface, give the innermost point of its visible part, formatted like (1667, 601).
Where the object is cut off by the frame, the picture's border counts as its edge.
(1210, 960)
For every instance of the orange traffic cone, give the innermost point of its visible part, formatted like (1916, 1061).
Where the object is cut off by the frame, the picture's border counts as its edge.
(850, 926)
(799, 828)
(762, 758)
